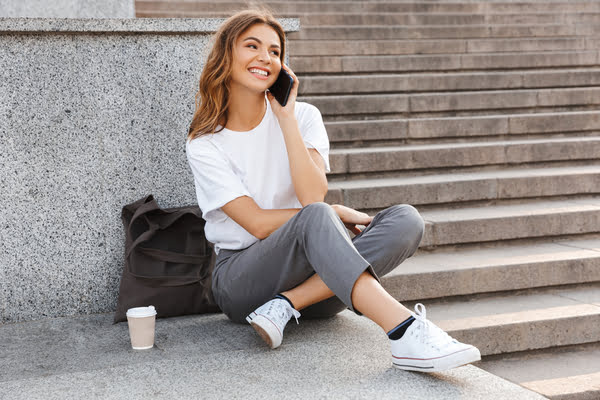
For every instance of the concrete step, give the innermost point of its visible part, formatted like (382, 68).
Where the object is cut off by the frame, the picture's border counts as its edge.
(445, 19)
(466, 128)
(447, 81)
(442, 62)
(392, 18)
(477, 269)
(522, 220)
(327, 48)
(208, 357)
(569, 372)
(507, 322)
(456, 155)
(293, 7)
(423, 104)
(377, 32)
(456, 187)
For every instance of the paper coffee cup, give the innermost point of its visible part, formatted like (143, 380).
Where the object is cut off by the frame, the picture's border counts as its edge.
(141, 321)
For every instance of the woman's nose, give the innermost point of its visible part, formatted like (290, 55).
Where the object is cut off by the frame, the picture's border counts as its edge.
(264, 56)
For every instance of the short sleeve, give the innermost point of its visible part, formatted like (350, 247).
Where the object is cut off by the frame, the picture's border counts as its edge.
(313, 132)
(216, 183)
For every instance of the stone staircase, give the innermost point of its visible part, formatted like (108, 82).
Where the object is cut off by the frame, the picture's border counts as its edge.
(485, 115)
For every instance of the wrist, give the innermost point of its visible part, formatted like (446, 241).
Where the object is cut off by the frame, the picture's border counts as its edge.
(286, 121)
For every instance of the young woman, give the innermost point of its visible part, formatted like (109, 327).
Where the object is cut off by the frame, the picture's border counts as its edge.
(259, 173)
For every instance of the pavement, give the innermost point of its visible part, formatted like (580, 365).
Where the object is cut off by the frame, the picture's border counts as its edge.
(208, 356)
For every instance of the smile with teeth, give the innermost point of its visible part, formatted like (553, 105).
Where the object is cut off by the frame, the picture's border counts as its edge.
(259, 71)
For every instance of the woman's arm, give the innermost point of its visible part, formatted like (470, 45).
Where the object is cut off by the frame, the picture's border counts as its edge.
(273, 219)
(310, 182)
(308, 175)
(261, 223)
(257, 221)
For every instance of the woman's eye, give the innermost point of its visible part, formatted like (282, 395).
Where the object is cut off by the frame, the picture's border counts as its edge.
(274, 51)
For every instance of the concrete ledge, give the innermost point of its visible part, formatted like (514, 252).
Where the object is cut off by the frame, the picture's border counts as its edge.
(68, 8)
(145, 25)
(343, 357)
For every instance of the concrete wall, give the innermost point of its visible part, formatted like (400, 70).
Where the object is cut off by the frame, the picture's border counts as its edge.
(93, 115)
(68, 8)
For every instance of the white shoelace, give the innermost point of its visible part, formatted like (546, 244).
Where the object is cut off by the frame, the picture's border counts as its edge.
(284, 311)
(430, 333)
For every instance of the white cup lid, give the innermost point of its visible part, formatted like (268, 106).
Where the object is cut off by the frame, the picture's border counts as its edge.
(139, 312)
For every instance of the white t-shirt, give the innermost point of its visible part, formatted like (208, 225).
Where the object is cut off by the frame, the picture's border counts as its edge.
(230, 164)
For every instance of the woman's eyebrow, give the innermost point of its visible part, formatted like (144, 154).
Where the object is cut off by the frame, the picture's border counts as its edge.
(258, 40)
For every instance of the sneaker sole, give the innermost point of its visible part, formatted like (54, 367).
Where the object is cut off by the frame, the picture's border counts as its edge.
(454, 360)
(265, 329)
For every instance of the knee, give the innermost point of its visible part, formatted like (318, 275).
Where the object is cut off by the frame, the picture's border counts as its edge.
(315, 216)
(318, 208)
(318, 205)
(410, 224)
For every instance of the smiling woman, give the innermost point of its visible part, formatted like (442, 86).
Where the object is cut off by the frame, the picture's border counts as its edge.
(260, 177)
(257, 49)
(242, 36)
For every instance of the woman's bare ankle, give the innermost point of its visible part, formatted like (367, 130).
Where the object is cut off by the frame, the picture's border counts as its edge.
(311, 291)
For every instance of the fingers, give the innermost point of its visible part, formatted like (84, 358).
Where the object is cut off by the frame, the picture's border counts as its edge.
(353, 228)
(289, 71)
(352, 216)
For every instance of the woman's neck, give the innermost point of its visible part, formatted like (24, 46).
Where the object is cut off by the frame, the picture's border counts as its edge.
(245, 111)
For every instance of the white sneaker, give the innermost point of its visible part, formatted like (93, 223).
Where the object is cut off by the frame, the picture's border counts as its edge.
(425, 347)
(270, 319)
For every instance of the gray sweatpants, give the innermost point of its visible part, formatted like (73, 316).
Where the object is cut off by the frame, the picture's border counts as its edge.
(314, 240)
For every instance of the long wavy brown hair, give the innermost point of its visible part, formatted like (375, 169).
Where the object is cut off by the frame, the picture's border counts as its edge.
(212, 98)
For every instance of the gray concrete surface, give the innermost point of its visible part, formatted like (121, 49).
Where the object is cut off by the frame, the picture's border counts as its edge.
(207, 356)
(93, 116)
(67, 8)
(545, 364)
(562, 373)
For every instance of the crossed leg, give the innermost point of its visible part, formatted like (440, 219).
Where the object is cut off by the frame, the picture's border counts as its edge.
(392, 236)
(368, 297)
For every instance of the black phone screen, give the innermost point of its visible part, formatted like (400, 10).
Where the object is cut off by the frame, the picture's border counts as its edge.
(282, 87)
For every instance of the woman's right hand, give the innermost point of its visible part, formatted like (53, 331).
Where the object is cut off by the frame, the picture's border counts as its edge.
(351, 217)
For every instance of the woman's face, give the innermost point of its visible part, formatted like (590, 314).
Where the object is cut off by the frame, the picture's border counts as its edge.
(258, 47)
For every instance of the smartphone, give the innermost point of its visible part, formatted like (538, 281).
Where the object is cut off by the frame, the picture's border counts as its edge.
(282, 87)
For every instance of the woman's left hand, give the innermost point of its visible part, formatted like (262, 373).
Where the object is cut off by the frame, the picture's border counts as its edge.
(351, 217)
(286, 112)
